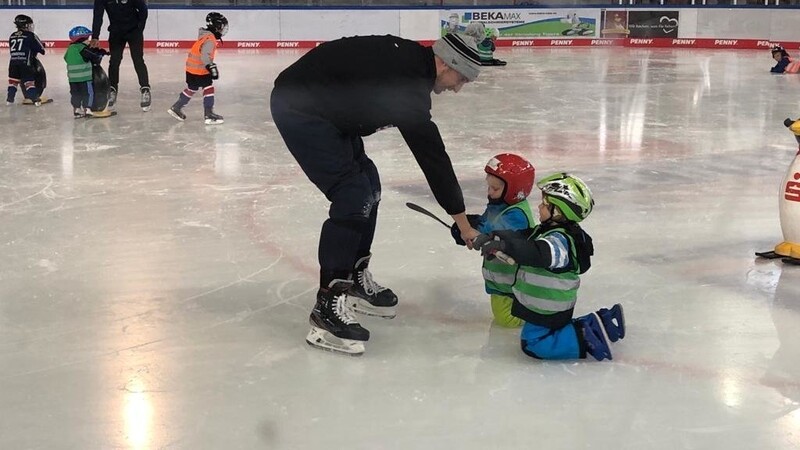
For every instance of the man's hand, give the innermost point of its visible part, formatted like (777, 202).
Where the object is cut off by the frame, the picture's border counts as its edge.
(94, 43)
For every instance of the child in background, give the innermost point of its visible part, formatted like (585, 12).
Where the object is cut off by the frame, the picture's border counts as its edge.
(487, 47)
(509, 180)
(785, 63)
(548, 261)
(201, 71)
(24, 68)
(81, 59)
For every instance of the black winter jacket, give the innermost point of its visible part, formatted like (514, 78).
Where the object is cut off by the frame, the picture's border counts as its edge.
(367, 83)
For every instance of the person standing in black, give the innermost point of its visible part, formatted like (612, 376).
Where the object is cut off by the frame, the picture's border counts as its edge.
(322, 105)
(127, 21)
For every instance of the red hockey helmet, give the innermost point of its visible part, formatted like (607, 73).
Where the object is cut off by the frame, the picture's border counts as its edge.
(516, 172)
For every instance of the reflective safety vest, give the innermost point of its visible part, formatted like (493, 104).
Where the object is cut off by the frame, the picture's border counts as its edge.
(78, 69)
(499, 276)
(194, 63)
(545, 292)
(793, 67)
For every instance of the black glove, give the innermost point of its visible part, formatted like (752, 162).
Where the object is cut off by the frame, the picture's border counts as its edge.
(489, 245)
(456, 233)
(212, 68)
(474, 221)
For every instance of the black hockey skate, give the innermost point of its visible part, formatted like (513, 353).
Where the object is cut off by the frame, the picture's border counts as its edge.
(333, 326)
(213, 119)
(112, 97)
(146, 99)
(176, 112)
(370, 298)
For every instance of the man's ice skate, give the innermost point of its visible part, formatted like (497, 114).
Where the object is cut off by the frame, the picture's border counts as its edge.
(79, 113)
(112, 97)
(145, 102)
(613, 322)
(213, 119)
(369, 297)
(176, 112)
(593, 337)
(333, 326)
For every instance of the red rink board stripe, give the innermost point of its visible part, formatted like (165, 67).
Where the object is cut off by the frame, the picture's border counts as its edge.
(752, 44)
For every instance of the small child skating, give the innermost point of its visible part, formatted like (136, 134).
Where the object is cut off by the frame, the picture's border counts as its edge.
(548, 261)
(82, 62)
(509, 181)
(487, 47)
(785, 63)
(201, 71)
(24, 68)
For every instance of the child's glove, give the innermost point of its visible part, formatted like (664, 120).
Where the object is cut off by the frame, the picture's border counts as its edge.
(492, 246)
(212, 69)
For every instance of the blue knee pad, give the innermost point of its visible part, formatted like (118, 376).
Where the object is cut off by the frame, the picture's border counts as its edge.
(546, 343)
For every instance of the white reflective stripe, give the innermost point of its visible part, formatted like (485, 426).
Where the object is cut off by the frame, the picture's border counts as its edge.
(561, 284)
(500, 278)
(542, 303)
(79, 66)
(559, 250)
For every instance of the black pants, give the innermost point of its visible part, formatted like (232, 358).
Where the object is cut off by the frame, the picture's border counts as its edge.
(116, 42)
(81, 94)
(336, 163)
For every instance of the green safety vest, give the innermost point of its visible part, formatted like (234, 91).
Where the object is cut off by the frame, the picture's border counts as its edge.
(78, 69)
(499, 276)
(545, 292)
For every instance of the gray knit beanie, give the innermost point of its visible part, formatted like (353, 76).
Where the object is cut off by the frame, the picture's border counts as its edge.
(460, 53)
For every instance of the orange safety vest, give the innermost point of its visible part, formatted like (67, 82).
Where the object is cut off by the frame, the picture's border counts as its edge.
(194, 64)
(793, 67)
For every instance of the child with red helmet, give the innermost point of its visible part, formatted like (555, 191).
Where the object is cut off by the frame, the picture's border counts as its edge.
(509, 181)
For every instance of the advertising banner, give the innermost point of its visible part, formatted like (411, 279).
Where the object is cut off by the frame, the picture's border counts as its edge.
(614, 24)
(653, 24)
(525, 23)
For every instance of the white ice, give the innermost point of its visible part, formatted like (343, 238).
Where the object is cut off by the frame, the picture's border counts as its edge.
(156, 277)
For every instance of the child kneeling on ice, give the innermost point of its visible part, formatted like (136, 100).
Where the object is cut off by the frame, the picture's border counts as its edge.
(548, 260)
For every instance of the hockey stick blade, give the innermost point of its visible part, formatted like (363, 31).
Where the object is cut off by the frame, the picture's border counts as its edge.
(422, 210)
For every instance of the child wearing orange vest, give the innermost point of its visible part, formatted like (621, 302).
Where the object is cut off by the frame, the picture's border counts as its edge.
(201, 70)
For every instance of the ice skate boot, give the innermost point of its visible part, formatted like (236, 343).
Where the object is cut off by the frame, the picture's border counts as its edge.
(176, 112)
(145, 101)
(613, 322)
(594, 339)
(112, 97)
(79, 113)
(213, 119)
(333, 326)
(369, 297)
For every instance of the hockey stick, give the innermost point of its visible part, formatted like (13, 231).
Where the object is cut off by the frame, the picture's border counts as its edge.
(500, 255)
(422, 210)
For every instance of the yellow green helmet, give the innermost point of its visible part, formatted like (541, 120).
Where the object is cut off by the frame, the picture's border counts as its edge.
(569, 193)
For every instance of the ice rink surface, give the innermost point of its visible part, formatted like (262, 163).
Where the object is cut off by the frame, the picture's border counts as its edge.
(156, 277)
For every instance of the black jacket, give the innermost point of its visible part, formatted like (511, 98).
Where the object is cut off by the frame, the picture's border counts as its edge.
(367, 83)
(124, 16)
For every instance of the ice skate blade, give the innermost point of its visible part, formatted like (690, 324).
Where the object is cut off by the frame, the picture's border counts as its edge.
(214, 121)
(175, 115)
(325, 340)
(366, 308)
(145, 108)
(769, 255)
(791, 261)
